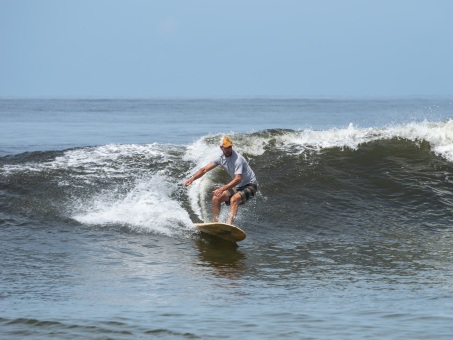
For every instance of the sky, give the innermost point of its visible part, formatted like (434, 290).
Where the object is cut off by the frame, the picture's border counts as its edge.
(222, 48)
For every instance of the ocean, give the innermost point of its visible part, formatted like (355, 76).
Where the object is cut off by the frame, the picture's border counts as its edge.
(350, 235)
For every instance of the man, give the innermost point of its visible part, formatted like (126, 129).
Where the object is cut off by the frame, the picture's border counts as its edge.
(242, 186)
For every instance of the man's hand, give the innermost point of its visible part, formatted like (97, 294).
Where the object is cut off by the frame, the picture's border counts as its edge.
(218, 192)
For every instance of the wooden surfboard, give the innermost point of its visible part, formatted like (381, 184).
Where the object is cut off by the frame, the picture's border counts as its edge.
(222, 230)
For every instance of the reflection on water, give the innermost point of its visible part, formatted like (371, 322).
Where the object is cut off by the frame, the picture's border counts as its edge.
(223, 257)
(398, 259)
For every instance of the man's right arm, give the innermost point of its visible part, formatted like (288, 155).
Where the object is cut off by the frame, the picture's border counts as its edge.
(200, 173)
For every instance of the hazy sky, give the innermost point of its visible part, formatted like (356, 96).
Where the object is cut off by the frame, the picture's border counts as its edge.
(205, 48)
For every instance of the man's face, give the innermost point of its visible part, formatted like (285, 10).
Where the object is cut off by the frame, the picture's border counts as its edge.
(227, 151)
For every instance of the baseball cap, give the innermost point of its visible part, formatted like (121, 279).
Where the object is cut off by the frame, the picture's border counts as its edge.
(226, 142)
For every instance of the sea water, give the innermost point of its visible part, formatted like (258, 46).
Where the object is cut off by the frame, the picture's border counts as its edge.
(349, 236)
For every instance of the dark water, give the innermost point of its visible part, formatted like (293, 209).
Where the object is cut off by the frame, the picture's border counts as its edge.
(350, 235)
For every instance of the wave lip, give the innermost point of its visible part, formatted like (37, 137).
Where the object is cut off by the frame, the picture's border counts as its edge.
(438, 134)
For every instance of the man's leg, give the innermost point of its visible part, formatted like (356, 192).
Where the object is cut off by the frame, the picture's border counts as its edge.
(216, 202)
(235, 200)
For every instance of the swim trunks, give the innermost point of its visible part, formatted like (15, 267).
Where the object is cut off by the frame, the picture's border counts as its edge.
(247, 191)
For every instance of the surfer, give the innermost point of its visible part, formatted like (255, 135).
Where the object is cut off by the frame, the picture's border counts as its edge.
(240, 189)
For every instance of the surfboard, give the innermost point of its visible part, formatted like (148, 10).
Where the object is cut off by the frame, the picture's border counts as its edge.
(222, 230)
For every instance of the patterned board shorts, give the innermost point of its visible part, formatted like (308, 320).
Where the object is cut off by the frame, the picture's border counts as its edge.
(247, 191)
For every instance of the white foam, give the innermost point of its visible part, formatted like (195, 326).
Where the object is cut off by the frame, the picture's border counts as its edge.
(201, 153)
(108, 160)
(351, 137)
(100, 161)
(148, 206)
(438, 134)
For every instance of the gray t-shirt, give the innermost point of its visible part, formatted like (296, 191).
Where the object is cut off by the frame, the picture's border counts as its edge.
(236, 165)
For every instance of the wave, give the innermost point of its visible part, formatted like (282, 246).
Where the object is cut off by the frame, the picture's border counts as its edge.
(438, 134)
(356, 178)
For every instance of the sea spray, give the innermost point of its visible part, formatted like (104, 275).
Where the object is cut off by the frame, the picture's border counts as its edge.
(147, 206)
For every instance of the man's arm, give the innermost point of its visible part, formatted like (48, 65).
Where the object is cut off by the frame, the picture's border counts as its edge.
(200, 173)
(235, 181)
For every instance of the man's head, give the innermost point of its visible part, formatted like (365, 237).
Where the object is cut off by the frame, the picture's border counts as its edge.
(226, 144)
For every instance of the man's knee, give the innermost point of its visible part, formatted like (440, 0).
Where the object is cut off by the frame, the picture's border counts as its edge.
(236, 199)
(219, 199)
